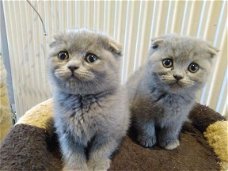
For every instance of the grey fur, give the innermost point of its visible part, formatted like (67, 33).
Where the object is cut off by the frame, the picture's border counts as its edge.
(91, 109)
(159, 106)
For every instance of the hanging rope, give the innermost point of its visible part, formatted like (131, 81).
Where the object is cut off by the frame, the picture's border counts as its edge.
(44, 30)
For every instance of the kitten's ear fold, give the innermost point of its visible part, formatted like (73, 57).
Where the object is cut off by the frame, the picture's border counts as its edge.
(212, 50)
(156, 42)
(52, 44)
(54, 41)
(115, 47)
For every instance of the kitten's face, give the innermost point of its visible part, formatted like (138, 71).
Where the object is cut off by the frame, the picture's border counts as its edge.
(180, 63)
(84, 62)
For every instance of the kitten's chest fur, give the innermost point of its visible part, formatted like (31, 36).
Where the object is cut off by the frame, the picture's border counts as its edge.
(79, 116)
(160, 105)
(170, 106)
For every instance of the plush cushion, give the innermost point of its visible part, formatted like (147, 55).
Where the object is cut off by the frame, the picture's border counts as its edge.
(32, 145)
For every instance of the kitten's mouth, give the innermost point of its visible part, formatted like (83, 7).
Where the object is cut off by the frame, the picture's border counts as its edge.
(176, 84)
(75, 76)
(72, 77)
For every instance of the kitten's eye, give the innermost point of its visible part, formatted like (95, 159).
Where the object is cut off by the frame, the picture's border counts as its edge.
(154, 46)
(167, 63)
(193, 67)
(90, 58)
(63, 55)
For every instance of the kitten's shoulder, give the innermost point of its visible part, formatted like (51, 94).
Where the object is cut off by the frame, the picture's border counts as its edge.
(135, 80)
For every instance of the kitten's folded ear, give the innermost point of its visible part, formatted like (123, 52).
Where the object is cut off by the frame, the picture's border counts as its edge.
(156, 42)
(55, 40)
(212, 50)
(115, 47)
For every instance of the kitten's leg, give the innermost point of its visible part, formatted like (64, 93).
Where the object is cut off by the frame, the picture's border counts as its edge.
(168, 136)
(100, 152)
(146, 134)
(73, 154)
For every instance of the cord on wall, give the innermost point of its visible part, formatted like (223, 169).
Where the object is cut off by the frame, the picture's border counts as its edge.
(44, 30)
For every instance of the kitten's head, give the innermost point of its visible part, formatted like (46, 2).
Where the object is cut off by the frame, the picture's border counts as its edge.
(84, 62)
(180, 63)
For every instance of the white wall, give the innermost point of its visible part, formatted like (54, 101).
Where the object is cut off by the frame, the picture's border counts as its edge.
(131, 23)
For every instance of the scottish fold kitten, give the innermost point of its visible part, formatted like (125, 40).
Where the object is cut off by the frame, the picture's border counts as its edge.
(91, 109)
(162, 92)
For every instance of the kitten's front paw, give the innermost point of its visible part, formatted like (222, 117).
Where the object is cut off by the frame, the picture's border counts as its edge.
(170, 145)
(99, 165)
(147, 141)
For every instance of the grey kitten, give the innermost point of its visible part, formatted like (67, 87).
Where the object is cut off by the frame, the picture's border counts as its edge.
(162, 92)
(91, 109)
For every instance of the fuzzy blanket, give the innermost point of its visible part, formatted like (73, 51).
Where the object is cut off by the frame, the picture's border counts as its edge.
(32, 145)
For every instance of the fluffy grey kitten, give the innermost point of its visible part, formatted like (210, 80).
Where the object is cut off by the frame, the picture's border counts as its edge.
(91, 109)
(162, 92)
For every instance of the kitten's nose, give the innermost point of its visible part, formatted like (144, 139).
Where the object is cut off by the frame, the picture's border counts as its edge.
(72, 67)
(178, 77)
